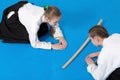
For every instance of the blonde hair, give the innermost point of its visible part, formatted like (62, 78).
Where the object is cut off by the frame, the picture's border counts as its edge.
(51, 11)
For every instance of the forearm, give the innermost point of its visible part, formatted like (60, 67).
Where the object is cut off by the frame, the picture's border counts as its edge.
(61, 45)
(97, 71)
(36, 43)
(89, 60)
(97, 53)
(57, 32)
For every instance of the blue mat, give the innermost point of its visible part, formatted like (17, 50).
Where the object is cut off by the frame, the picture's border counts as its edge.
(22, 62)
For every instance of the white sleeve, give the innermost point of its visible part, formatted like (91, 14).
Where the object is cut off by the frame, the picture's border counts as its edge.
(30, 21)
(97, 71)
(58, 33)
(35, 42)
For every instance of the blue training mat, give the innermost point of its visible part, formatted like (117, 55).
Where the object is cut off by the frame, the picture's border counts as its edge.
(22, 62)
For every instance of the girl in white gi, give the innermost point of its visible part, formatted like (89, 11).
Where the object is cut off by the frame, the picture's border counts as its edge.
(25, 22)
(108, 62)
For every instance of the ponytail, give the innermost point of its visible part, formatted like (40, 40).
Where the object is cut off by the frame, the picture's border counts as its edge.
(46, 7)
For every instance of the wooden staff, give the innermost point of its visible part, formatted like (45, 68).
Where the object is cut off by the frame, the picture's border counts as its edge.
(80, 49)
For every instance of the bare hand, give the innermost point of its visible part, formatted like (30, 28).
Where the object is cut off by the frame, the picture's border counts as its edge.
(93, 55)
(63, 42)
(57, 46)
(89, 60)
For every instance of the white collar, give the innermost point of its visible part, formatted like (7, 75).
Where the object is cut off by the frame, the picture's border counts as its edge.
(42, 18)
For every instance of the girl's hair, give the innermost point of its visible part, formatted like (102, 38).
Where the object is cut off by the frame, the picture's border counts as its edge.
(51, 11)
(98, 31)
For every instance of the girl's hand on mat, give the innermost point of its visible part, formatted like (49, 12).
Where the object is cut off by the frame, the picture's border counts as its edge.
(89, 60)
(94, 55)
(57, 46)
(63, 42)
